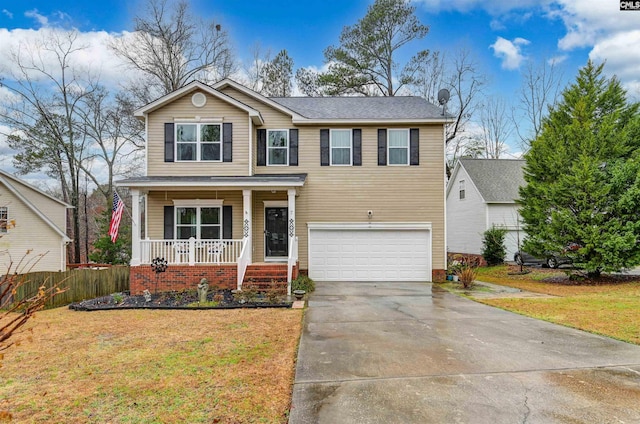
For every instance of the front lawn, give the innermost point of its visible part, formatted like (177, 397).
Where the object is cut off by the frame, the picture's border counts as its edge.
(610, 307)
(150, 366)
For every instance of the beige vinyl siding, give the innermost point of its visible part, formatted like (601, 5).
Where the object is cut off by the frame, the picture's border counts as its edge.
(393, 193)
(183, 108)
(55, 211)
(32, 234)
(157, 200)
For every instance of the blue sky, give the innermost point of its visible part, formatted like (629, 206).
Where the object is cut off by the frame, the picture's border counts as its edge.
(502, 35)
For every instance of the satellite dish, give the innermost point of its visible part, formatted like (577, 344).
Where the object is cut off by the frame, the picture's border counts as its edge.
(443, 96)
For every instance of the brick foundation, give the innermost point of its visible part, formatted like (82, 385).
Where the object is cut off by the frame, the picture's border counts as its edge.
(438, 275)
(182, 277)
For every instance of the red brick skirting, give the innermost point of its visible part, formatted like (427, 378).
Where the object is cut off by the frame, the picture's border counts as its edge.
(438, 275)
(182, 277)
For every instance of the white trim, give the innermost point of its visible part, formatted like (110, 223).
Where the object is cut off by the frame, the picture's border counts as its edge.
(34, 188)
(350, 131)
(33, 208)
(250, 148)
(381, 122)
(198, 120)
(369, 225)
(241, 88)
(145, 110)
(286, 131)
(197, 202)
(198, 142)
(408, 146)
(273, 204)
(190, 184)
(199, 99)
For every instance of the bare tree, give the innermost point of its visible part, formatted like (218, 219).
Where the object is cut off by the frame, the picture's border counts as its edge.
(255, 70)
(48, 90)
(496, 127)
(461, 76)
(539, 91)
(172, 48)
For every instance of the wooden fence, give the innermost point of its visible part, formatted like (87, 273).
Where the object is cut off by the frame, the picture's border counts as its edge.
(80, 284)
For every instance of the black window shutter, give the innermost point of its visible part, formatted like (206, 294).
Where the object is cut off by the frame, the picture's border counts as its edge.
(357, 147)
(261, 160)
(414, 146)
(168, 222)
(293, 147)
(227, 142)
(227, 222)
(382, 147)
(169, 137)
(324, 147)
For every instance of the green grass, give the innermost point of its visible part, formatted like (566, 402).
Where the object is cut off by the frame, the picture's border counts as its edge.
(608, 307)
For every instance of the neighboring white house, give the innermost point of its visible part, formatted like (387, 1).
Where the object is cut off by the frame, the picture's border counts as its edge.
(482, 193)
(31, 220)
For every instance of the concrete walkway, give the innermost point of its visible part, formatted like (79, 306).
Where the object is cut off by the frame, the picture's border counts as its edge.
(402, 353)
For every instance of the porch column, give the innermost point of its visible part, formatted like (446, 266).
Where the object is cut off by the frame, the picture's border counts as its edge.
(135, 227)
(247, 222)
(291, 223)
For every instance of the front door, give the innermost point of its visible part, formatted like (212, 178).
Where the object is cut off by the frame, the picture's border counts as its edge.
(276, 242)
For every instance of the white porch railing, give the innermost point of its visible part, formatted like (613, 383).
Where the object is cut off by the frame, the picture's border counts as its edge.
(291, 262)
(191, 251)
(243, 262)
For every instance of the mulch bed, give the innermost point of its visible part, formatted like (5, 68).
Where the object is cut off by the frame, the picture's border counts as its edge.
(224, 299)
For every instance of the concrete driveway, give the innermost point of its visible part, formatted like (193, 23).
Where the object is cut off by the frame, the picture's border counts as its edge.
(407, 353)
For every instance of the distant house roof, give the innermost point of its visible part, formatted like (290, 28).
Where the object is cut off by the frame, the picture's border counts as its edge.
(497, 180)
(373, 108)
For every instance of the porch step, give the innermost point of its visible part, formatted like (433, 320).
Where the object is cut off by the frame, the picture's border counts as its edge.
(266, 277)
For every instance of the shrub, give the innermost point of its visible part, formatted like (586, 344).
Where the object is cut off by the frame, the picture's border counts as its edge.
(467, 276)
(493, 249)
(303, 282)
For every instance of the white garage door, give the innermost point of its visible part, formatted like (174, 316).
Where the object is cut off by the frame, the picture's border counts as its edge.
(366, 254)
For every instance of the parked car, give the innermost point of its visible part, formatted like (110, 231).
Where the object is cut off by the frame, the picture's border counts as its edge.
(551, 260)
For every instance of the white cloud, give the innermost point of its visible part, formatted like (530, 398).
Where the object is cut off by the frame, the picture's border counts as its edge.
(41, 19)
(556, 60)
(509, 51)
(7, 13)
(621, 59)
(494, 7)
(94, 57)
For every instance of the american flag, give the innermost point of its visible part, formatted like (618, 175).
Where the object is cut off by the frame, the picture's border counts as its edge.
(116, 216)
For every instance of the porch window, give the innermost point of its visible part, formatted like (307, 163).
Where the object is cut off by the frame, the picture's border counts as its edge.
(398, 147)
(198, 142)
(4, 219)
(277, 147)
(341, 147)
(199, 222)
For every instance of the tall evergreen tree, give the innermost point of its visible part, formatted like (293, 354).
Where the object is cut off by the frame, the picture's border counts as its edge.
(277, 76)
(583, 177)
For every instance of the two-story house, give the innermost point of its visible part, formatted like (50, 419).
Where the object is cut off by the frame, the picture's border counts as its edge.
(344, 188)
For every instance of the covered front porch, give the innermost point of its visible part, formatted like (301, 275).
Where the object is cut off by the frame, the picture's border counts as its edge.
(214, 228)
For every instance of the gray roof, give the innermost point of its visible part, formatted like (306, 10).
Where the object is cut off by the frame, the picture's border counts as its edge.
(497, 180)
(396, 107)
(217, 180)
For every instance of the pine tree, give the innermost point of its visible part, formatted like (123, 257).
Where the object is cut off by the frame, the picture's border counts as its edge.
(583, 180)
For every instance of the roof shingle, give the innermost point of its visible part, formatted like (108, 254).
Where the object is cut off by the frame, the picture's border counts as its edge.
(497, 180)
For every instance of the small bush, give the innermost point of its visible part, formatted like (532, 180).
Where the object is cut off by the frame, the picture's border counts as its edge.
(467, 276)
(303, 282)
(493, 249)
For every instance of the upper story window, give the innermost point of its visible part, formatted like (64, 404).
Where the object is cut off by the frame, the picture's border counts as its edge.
(4, 219)
(199, 142)
(398, 147)
(278, 147)
(462, 190)
(341, 147)
(199, 222)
